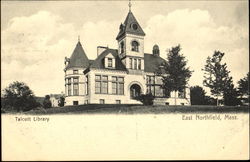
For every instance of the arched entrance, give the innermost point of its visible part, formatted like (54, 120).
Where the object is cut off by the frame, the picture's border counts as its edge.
(135, 91)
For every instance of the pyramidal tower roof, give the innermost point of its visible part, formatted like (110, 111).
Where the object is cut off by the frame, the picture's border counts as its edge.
(130, 26)
(78, 58)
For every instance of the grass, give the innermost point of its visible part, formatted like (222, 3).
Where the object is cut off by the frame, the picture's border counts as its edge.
(137, 109)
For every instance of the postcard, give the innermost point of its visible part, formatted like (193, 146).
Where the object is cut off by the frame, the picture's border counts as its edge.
(124, 80)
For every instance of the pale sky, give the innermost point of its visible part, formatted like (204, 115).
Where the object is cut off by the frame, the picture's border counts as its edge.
(36, 35)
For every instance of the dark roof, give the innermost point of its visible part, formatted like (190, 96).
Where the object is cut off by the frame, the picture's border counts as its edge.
(78, 58)
(126, 27)
(152, 62)
(99, 61)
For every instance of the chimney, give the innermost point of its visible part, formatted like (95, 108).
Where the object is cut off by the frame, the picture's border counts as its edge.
(100, 49)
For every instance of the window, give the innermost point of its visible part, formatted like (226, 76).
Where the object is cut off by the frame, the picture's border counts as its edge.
(75, 102)
(76, 89)
(130, 63)
(154, 86)
(139, 64)
(122, 47)
(75, 80)
(118, 101)
(110, 63)
(101, 84)
(135, 46)
(97, 87)
(75, 71)
(167, 103)
(102, 101)
(69, 90)
(86, 102)
(69, 80)
(117, 85)
(135, 63)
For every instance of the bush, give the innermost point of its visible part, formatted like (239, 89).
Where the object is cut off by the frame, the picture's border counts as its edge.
(146, 99)
(46, 102)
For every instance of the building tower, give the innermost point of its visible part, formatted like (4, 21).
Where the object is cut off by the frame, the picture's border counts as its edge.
(131, 43)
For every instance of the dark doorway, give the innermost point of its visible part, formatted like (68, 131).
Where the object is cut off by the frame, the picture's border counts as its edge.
(135, 91)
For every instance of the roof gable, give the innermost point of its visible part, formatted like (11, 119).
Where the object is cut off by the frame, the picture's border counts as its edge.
(78, 58)
(127, 26)
(98, 63)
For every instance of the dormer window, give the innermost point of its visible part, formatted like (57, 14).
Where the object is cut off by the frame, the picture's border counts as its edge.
(110, 62)
(135, 46)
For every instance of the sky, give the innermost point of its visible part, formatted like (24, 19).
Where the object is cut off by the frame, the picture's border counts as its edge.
(36, 36)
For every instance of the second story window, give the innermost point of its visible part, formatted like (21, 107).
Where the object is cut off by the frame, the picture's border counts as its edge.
(139, 64)
(75, 80)
(110, 62)
(130, 63)
(135, 46)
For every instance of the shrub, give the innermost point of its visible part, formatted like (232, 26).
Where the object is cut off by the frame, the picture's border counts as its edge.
(146, 99)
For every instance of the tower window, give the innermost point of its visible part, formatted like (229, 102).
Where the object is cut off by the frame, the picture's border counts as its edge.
(135, 46)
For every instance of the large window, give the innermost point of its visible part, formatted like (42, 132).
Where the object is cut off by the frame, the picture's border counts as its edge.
(135, 46)
(154, 86)
(75, 89)
(69, 89)
(117, 85)
(101, 84)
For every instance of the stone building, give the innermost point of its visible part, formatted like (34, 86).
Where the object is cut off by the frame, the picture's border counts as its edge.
(118, 76)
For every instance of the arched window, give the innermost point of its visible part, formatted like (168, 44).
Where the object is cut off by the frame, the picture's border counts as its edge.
(122, 47)
(135, 46)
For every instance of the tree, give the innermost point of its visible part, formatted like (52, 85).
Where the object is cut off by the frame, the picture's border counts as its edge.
(46, 102)
(198, 96)
(216, 75)
(18, 96)
(230, 95)
(176, 73)
(61, 101)
(244, 85)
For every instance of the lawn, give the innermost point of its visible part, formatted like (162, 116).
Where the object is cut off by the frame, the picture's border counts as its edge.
(137, 109)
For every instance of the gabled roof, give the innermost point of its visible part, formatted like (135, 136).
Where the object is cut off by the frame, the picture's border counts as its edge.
(126, 27)
(152, 62)
(98, 63)
(78, 58)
